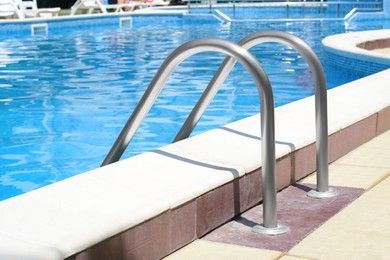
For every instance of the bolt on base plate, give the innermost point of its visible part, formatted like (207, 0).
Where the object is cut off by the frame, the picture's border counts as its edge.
(260, 229)
(322, 194)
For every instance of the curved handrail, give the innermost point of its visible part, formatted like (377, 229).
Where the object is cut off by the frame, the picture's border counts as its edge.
(320, 99)
(267, 111)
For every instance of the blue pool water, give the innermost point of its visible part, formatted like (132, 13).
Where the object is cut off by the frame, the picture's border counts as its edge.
(64, 98)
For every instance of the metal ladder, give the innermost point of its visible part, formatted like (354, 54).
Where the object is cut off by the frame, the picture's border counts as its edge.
(239, 52)
(321, 113)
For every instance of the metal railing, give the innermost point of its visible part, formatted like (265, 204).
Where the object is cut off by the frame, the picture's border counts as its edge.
(321, 109)
(239, 52)
(263, 85)
(284, 9)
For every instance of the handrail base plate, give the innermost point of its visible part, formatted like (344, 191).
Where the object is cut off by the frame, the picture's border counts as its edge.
(261, 229)
(332, 192)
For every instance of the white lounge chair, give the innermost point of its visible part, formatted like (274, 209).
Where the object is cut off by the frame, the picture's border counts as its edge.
(126, 7)
(88, 5)
(156, 3)
(8, 8)
(30, 9)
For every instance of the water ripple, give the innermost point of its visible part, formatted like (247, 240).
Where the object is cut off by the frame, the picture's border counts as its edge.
(65, 98)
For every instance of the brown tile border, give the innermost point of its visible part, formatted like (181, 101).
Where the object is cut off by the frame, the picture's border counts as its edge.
(351, 137)
(383, 121)
(375, 44)
(173, 229)
(216, 207)
(152, 239)
(305, 161)
(283, 172)
(249, 190)
(149, 240)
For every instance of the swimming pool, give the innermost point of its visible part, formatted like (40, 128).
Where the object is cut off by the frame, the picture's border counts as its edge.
(65, 97)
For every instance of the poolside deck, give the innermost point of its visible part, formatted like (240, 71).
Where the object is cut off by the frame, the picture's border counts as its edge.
(358, 231)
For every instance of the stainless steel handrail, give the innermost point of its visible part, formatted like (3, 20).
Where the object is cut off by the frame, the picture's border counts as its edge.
(263, 85)
(321, 113)
(162, 76)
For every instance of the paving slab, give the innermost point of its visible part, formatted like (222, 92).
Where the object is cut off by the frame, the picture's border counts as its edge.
(296, 210)
(201, 249)
(368, 157)
(360, 231)
(364, 167)
(352, 176)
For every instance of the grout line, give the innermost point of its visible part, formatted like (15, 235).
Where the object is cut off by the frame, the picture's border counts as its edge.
(362, 166)
(280, 256)
(301, 257)
(378, 182)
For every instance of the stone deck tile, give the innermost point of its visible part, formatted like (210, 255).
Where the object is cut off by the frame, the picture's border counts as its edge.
(361, 231)
(207, 250)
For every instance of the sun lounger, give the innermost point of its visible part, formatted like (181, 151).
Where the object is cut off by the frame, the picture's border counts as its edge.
(90, 5)
(8, 8)
(156, 3)
(152, 3)
(129, 7)
(87, 5)
(30, 9)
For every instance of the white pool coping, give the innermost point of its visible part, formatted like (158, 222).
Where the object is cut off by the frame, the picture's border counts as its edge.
(345, 44)
(59, 220)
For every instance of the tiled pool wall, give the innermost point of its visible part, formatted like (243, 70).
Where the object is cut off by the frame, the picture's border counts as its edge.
(302, 10)
(23, 28)
(358, 66)
(17, 28)
(353, 51)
